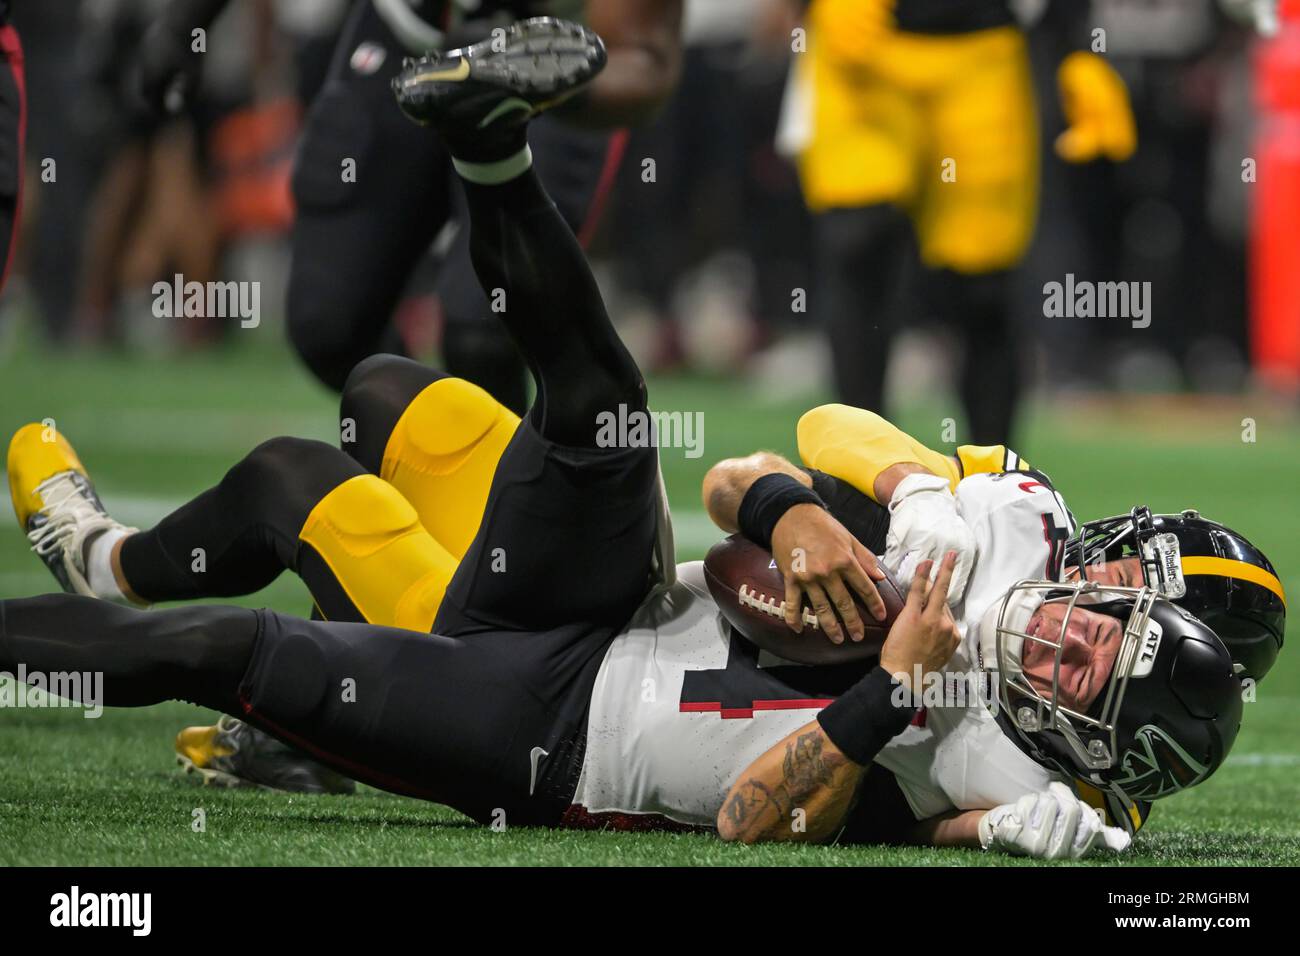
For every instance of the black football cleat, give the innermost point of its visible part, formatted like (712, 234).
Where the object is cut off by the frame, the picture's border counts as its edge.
(232, 753)
(481, 97)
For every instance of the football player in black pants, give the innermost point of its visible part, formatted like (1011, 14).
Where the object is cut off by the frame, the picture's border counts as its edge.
(372, 192)
(528, 703)
(515, 646)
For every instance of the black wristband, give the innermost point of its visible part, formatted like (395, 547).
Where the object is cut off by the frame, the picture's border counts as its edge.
(767, 501)
(867, 716)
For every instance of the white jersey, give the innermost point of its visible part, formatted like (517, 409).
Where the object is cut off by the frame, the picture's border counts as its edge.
(679, 709)
(958, 756)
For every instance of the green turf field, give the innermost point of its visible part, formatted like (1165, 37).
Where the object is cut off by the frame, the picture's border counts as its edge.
(154, 431)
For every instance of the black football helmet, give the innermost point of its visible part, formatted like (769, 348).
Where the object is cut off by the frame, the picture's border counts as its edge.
(1164, 720)
(1203, 566)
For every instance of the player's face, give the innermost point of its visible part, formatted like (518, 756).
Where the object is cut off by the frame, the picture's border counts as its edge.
(1124, 573)
(1089, 646)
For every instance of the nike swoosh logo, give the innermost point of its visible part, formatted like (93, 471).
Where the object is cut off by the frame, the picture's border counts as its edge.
(459, 72)
(534, 758)
(511, 104)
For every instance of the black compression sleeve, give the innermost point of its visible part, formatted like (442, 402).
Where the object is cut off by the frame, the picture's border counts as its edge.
(865, 718)
(767, 501)
(866, 519)
(521, 246)
(238, 536)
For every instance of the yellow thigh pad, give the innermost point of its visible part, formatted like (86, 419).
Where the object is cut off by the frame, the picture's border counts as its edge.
(442, 455)
(391, 568)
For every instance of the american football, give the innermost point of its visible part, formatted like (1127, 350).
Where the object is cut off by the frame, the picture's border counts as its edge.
(745, 581)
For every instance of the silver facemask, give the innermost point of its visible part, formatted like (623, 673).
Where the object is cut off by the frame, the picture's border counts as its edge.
(1004, 632)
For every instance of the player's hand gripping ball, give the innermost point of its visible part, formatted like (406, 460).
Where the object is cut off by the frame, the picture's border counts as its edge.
(750, 590)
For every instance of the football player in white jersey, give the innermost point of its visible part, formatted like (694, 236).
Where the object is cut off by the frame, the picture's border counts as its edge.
(1237, 589)
(895, 497)
(584, 682)
(683, 709)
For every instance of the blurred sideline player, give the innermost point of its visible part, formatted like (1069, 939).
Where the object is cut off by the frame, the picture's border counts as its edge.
(917, 122)
(356, 242)
(522, 707)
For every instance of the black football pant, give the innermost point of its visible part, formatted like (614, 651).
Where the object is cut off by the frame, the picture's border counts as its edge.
(862, 255)
(486, 714)
(449, 718)
(238, 536)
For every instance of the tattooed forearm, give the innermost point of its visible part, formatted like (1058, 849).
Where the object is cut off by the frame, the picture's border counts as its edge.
(805, 772)
(807, 764)
(749, 800)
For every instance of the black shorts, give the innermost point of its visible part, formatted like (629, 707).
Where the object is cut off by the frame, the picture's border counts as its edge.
(487, 714)
(865, 519)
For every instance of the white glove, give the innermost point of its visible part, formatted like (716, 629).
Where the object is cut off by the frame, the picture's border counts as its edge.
(923, 526)
(1053, 824)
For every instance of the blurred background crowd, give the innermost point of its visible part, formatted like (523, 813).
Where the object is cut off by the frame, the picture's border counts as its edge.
(702, 252)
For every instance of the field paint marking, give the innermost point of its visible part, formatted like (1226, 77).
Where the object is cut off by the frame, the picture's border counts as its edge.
(143, 511)
(1264, 760)
(24, 583)
(173, 432)
(692, 530)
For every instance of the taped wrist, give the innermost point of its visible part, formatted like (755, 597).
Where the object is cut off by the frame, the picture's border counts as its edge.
(865, 718)
(767, 501)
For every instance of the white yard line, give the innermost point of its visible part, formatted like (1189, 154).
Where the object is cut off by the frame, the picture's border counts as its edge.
(141, 511)
(163, 431)
(1263, 760)
(693, 532)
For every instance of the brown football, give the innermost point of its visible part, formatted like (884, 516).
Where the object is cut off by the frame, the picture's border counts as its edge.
(745, 581)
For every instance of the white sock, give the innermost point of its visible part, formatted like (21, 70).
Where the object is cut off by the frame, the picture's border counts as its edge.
(99, 566)
(493, 174)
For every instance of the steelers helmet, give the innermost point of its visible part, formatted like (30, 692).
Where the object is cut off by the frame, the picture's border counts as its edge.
(1203, 566)
(1165, 718)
